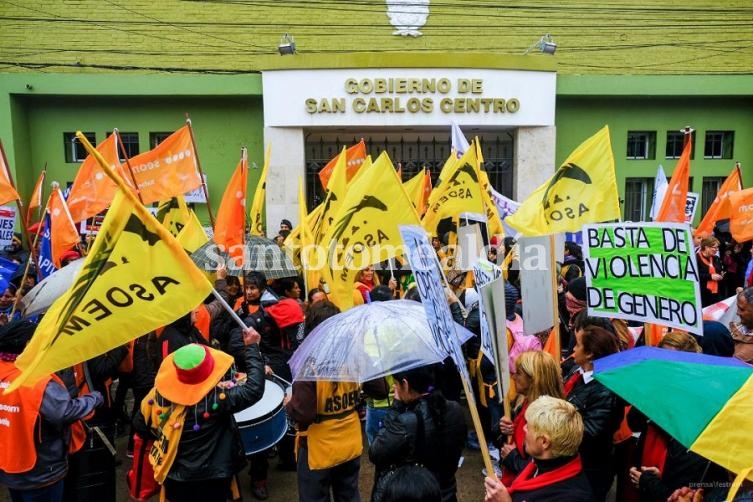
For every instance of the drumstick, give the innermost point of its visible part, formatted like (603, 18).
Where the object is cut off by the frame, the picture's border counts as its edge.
(229, 309)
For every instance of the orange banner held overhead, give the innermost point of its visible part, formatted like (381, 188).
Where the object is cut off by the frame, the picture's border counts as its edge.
(92, 191)
(7, 190)
(168, 170)
(36, 198)
(741, 217)
(230, 227)
(354, 157)
(63, 232)
(720, 209)
(673, 207)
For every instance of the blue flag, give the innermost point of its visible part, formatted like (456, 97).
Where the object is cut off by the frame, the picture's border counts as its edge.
(46, 265)
(8, 269)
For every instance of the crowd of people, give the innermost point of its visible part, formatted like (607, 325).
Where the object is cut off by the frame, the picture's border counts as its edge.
(568, 437)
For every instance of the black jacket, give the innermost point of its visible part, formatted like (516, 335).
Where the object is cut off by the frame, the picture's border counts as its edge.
(602, 411)
(214, 451)
(146, 360)
(412, 433)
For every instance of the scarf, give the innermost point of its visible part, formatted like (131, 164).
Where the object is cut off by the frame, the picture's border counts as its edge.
(654, 448)
(711, 285)
(528, 481)
(573, 305)
(169, 419)
(572, 382)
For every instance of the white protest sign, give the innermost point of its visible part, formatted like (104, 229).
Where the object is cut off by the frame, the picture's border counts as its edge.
(484, 273)
(644, 272)
(691, 204)
(428, 275)
(536, 283)
(7, 224)
(492, 310)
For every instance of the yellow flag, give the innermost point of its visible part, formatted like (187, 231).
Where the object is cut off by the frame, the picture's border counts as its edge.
(192, 236)
(458, 191)
(419, 189)
(493, 221)
(335, 195)
(256, 215)
(174, 214)
(310, 275)
(365, 230)
(135, 278)
(582, 191)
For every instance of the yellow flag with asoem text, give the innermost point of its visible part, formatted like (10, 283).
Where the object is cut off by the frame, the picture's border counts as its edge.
(365, 230)
(458, 191)
(583, 190)
(135, 278)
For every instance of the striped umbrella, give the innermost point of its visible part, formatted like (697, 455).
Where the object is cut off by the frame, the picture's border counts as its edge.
(704, 402)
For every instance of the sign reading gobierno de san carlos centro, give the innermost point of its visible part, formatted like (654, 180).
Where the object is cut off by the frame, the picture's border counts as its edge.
(403, 96)
(644, 272)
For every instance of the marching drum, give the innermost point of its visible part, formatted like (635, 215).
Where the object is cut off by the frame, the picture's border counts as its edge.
(262, 425)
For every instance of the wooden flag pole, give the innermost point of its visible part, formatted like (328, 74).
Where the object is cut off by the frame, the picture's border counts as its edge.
(128, 164)
(201, 172)
(555, 301)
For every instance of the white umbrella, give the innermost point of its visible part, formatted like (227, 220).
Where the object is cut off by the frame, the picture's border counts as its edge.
(44, 294)
(368, 342)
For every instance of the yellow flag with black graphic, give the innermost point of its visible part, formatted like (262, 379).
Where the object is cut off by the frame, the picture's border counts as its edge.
(256, 215)
(365, 230)
(135, 278)
(582, 191)
(335, 195)
(458, 191)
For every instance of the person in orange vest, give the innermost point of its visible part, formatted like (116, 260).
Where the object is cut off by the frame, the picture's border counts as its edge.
(39, 425)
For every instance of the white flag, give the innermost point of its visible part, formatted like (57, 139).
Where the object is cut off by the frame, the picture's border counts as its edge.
(660, 188)
(459, 143)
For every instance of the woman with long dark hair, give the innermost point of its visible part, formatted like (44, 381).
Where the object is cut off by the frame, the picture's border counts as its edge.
(421, 428)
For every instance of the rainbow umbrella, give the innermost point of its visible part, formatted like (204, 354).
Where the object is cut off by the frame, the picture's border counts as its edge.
(704, 402)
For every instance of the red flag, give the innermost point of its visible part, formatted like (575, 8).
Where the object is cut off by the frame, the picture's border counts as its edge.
(36, 198)
(168, 170)
(63, 232)
(741, 219)
(354, 157)
(230, 226)
(720, 209)
(673, 207)
(92, 190)
(7, 190)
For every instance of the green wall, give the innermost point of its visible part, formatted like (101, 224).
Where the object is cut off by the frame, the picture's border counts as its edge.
(578, 117)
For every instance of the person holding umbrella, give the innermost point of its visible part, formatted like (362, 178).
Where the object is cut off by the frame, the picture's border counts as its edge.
(421, 427)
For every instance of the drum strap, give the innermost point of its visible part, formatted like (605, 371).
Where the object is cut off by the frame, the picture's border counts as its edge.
(323, 418)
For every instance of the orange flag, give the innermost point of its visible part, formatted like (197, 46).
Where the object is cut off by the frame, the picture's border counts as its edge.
(741, 218)
(230, 226)
(36, 198)
(720, 209)
(63, 232)
(168, 170)
(673, 207)
(354, 157)
(92, 191)
(7, 190)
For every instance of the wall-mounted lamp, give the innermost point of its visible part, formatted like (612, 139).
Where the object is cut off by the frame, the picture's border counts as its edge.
(545, 45)
(287, 45)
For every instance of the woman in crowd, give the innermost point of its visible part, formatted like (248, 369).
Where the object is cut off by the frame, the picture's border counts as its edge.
(421, 427)
(710, 272)
(601, 409)
(536, 374)
(365, 282)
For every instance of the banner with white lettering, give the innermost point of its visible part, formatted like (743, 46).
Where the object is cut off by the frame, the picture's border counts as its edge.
(644, 272)
(491, 289)
(7, 224)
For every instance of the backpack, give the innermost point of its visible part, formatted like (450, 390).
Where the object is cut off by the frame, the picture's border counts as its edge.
(520, 341)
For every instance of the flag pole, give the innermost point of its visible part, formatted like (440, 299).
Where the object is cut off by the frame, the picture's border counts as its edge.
(28, 262)
(201, 172)
(19, 202)
(555, 303)
(119, 140)
(229, 309)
